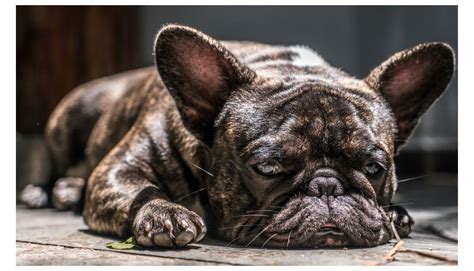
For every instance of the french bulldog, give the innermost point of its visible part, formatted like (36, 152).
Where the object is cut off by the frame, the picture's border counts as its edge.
(270, 145)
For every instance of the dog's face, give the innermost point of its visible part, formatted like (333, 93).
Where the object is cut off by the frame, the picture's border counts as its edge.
(298, 161)
(305, 162)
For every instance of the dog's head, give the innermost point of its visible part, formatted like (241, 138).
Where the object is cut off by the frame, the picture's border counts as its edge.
(301, 156)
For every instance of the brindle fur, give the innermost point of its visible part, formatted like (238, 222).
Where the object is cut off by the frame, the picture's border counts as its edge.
(157, 139)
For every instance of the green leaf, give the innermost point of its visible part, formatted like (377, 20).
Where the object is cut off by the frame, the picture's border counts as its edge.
(130, 240)
(130, 243)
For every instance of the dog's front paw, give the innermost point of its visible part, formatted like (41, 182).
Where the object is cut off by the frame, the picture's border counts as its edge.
(67, 193)
(402, 220)
(165, 224)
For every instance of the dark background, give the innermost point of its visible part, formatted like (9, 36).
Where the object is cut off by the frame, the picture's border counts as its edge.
(61, 47)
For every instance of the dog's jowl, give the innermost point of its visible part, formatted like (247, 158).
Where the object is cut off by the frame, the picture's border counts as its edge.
(255, 144)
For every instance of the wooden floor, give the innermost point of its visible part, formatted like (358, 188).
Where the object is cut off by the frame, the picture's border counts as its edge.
(48, 237)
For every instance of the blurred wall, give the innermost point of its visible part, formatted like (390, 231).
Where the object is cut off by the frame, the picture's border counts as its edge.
(61, 47)
(355, 39)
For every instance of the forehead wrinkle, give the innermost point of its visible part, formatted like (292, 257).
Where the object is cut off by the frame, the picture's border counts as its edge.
(276, 143)
(254, 144)
(284, 97)
(343, 127)
(361, 135)
(296, 97)
(297, 90)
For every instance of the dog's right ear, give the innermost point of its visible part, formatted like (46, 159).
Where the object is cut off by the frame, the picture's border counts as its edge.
(199, 73)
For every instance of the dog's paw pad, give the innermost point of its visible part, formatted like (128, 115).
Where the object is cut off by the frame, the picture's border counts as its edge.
(164, 224)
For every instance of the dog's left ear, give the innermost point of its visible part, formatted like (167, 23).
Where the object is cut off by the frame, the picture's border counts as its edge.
(200, 73)
(411, 81)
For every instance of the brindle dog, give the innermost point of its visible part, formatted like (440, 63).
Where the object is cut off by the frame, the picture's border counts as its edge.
(279, 148)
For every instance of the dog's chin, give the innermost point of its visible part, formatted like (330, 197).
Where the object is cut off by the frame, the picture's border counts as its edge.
(350, 220)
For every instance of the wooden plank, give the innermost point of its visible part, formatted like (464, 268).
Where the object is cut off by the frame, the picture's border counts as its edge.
(50, 228)
(33, 254)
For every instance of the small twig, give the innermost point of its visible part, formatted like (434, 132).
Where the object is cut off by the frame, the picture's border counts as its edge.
(398, 247)
(390, 256)
(394, 231)
(430, 255)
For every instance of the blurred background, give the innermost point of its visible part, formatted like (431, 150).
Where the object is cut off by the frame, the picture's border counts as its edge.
(61, 47)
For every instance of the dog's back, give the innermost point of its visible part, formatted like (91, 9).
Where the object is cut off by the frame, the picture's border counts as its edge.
(93, 117)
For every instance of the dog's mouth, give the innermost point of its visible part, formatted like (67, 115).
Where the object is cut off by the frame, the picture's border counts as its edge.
(329, 228)
(306, 222)
(330, 235)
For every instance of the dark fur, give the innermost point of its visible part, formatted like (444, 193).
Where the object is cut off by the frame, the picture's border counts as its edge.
(155, 143)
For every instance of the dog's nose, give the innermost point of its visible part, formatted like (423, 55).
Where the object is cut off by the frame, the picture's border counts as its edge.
(328, 186)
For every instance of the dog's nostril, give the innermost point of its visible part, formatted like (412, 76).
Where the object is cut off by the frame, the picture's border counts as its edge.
(325, 186)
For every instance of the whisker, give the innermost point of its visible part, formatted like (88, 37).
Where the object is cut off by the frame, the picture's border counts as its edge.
(251, 215)
(289, 235)
(238, 226)
(187, 195)
(205, 171)
(256, 236)
(398, 226)
(268, 239)
(398, 204)
(413, 178)
(238, 237)
(256, 211)
(230, 244)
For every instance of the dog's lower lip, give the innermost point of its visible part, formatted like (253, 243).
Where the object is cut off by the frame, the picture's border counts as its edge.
(330, 228)
(333, 232)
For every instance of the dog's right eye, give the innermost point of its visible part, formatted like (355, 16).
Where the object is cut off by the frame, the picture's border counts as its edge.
(268, 169)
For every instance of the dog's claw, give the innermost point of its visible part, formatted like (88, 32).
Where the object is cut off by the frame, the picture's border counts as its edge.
(148, 226)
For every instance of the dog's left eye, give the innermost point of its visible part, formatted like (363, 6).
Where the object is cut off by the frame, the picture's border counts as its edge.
(268, 169)
(373, 169)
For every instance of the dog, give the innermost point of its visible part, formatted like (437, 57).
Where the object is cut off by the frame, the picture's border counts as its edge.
(270, 145)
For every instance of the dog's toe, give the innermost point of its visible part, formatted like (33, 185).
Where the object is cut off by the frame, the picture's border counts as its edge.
(402, 220)
(162, 240)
